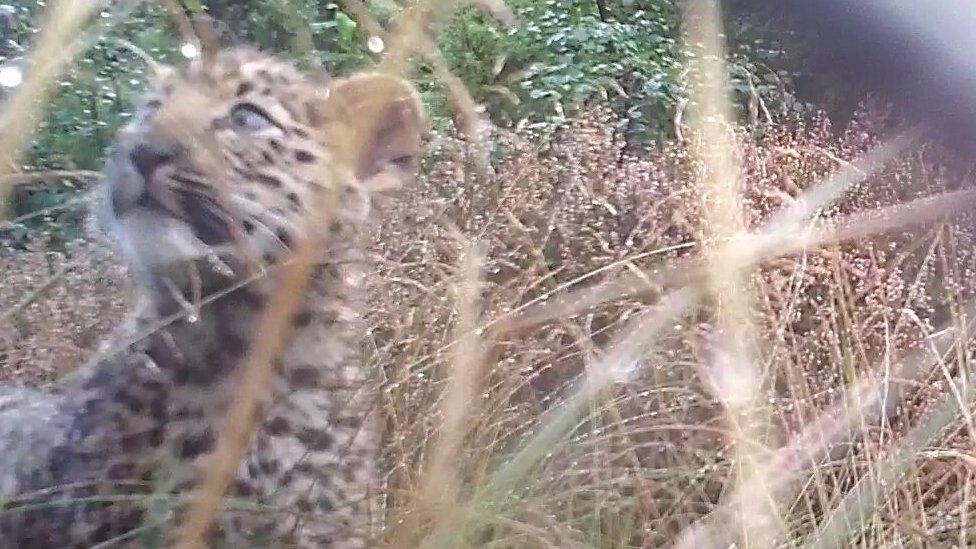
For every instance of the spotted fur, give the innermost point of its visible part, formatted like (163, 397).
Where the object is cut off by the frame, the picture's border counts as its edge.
(229, 163)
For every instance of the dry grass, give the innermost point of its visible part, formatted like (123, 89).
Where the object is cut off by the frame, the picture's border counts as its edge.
(57, 307)
(654, 454)
(821, 398)
(735, 376)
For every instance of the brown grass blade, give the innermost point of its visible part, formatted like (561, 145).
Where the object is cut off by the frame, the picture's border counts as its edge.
(735, 375)
(235, 434)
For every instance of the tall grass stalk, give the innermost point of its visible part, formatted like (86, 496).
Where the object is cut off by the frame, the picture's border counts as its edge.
(737, 379)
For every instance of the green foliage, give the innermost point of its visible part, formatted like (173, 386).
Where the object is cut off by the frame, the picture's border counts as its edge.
(565, 52)
(561, 53)
(305, 28)
(625, 54)
(91, 101)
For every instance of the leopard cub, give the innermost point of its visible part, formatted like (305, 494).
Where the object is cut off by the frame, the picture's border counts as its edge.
(231, 161)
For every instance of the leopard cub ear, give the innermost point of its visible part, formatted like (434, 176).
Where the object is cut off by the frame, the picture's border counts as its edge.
(376, 122)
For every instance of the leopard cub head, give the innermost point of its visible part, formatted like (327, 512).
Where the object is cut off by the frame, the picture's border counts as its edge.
(236, 154)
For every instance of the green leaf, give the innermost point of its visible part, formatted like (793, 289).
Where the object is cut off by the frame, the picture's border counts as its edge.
(192, 6)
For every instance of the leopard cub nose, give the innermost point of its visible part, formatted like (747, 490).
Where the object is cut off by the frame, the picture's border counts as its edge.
(147, 158)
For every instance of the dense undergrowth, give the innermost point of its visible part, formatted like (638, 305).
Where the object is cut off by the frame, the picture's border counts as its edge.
(534, 66)
(652, 454)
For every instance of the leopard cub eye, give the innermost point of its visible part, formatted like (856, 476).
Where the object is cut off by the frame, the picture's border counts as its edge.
(252, 119)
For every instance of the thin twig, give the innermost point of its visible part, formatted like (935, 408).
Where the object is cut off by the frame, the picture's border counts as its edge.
(50, 176)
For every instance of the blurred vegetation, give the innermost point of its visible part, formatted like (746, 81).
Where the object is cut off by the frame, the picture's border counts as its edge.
(558, 56)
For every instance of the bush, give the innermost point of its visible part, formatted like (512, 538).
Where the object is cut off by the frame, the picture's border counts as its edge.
(626, 55)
